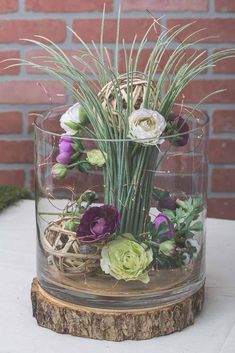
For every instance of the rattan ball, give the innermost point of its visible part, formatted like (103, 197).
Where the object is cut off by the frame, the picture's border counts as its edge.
(137, 83)
(66, 253)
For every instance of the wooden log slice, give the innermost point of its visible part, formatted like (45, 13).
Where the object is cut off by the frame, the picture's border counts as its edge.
(113, 325)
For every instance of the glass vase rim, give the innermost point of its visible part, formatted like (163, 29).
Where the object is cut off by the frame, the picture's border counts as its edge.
(42, 117)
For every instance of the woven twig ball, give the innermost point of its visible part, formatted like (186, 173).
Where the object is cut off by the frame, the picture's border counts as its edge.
(66, 253)
(136, 84)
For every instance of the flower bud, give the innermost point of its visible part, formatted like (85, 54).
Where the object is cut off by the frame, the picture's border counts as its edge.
(167, 248)
(167, 203)
(59, 171)
(180, 128)
(162, 219)
(89, 196)
(96, 157)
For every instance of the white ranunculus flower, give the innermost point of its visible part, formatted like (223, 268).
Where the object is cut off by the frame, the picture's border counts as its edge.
(146, 126)
(72, 118)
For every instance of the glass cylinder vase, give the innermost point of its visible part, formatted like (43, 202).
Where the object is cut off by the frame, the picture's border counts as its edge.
(120, 223)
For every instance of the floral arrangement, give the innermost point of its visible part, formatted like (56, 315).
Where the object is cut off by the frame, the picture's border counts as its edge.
(130, 118)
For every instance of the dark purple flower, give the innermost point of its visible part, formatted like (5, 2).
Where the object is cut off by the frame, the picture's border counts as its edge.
(168, 203)
(66, 150)
(161, 218)
(98, 223)
(181, 127)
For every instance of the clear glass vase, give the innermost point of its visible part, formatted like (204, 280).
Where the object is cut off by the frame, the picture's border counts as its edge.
(146, 204)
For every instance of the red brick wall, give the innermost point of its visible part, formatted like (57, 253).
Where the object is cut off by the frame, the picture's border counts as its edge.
(21, 90)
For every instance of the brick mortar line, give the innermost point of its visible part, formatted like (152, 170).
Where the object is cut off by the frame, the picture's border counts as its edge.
(30, 15)
(225, 135)
(25, 127)
(16, 137)
(44, 77)
(21, 6)
(76, 45)
(211, 7)
(116, 5)
(221, 195)
(27, 176)
(209, 178)
(225, 165)
(15, 166)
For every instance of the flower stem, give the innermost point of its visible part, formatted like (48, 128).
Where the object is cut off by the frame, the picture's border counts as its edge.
(129, 177)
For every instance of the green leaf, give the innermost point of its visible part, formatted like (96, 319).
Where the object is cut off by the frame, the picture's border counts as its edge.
(190, 235)
(188, 220)
(182, 204)
(75, 156)
(197, 226)
(77, 145)
(84, 166)
(72, 125)
(169, 213)
(152, 230)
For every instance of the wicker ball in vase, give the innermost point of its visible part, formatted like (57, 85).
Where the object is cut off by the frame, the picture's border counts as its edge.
(66, 253)
(137, 83)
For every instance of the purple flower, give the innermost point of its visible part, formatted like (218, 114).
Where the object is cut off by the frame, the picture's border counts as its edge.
(167, 203)
(66, 150)
(98, 223)
(180, 127)
(64, 158)
(161, 218)
(65, 144)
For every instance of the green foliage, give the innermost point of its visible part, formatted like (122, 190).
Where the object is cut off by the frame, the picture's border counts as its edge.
(125, 175)
(184, 218)
(186, 222)
(9, 194)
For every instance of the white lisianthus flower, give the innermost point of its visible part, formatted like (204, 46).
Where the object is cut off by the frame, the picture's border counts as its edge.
(146, 126)
(71, 120)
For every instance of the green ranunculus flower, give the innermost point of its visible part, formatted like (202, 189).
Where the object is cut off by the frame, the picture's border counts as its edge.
(96, 157)
(124, 258)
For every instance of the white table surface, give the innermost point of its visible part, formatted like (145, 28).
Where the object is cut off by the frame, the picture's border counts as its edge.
(213, 331)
